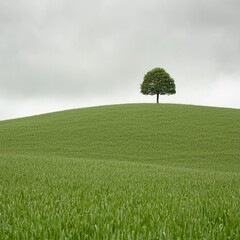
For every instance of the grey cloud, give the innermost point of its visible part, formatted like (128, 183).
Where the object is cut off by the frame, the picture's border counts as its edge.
(76, 49)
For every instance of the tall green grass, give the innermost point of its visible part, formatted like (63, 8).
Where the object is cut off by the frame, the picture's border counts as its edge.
(141, 171)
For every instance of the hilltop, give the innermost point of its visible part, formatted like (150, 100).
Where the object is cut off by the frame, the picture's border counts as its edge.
(163, 134)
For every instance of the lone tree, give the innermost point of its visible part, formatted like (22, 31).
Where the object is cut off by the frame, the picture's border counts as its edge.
(158, 81)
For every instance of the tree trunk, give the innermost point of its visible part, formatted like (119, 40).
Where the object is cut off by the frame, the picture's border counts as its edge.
(157, 98)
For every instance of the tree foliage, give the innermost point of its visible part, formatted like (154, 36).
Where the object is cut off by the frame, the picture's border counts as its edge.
(158, 82)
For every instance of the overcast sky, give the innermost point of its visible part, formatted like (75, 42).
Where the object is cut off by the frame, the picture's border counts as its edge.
(61, 54)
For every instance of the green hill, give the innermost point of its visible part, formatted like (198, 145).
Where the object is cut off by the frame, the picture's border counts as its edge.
(138, 171)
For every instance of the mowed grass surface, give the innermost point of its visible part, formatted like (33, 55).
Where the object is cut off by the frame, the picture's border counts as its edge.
(140, 171)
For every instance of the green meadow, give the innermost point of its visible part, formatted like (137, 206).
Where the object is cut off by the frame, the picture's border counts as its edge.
(136, 171)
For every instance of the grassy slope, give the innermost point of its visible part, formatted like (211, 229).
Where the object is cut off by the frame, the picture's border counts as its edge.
(137, 171)
(168, 134)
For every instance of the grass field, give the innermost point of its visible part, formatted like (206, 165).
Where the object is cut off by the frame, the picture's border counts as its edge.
(140, 171)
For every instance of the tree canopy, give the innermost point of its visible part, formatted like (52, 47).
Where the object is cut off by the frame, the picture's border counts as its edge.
(158, 82)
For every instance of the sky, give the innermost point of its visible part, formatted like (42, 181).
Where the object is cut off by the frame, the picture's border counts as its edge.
(64, 54)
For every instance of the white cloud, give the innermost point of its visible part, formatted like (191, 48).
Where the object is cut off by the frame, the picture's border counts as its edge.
(98, 51)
